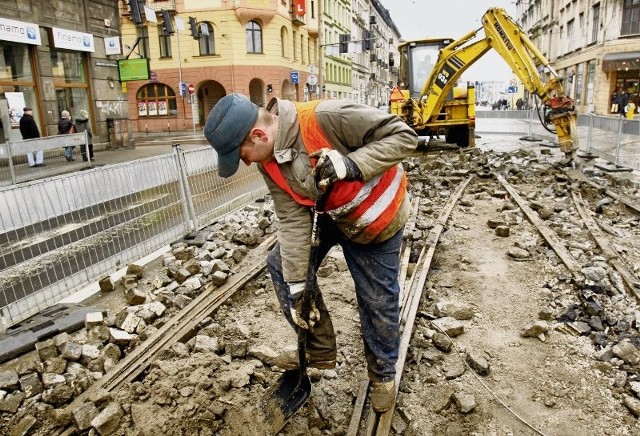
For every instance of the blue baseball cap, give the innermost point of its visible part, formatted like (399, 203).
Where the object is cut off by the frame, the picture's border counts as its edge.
(228, 124)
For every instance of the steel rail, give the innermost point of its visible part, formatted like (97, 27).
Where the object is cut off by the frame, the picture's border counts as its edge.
(379, 424)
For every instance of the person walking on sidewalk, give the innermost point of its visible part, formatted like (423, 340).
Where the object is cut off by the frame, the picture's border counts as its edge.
(29, 130)
(615, 99)
(354, 151)
(65, 126)
(84, 125)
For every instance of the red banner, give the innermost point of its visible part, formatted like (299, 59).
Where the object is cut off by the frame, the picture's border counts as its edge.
(299, 7)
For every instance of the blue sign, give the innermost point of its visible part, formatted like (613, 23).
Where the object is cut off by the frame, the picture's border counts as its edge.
(294, 76)
(183, 88)
(512, 89)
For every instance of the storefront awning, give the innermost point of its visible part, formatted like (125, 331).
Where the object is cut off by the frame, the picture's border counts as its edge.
(629, 60)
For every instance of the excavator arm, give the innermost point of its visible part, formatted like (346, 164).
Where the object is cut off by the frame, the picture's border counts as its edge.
(504, 36)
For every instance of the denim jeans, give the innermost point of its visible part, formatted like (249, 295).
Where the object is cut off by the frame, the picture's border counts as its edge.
(68, 152)
(374, 269)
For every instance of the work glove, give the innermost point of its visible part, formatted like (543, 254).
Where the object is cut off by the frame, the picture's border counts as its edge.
(295, 302)
(332, 166)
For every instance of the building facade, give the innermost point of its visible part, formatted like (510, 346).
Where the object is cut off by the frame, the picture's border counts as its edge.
(593, 44)
(259, 48)
(55, 57)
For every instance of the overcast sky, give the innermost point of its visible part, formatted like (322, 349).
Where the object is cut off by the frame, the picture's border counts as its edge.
(451, 18)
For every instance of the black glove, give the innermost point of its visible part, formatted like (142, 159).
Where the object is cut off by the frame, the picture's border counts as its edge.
(332, 166)
(295, 302)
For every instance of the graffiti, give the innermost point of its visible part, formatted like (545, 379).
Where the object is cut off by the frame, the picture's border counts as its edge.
(111, 108)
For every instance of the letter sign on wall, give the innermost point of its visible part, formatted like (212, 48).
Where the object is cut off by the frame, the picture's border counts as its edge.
(299, 7)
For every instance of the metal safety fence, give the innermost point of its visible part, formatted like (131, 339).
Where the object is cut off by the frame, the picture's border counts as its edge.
(614, 139)
(31, 159)
(62, 233)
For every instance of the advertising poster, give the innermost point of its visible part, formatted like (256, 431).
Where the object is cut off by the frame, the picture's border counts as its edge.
(16, 103)
(142, 108)
(153, 109)
(162, 107)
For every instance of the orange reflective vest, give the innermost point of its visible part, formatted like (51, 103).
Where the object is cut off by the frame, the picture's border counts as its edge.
(360, 209)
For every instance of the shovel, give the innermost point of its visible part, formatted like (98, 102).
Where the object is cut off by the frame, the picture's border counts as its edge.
(293, 388)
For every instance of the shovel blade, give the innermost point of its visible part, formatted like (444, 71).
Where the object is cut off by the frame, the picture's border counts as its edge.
(282, 400)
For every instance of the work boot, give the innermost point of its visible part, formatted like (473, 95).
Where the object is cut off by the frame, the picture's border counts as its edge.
(289, 360)
(382, 395)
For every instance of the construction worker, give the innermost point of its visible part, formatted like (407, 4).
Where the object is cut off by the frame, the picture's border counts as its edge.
(358, 150)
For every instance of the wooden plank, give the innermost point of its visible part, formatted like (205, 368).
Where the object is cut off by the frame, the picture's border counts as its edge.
(552, 239)
(579, 176)
(383, 426)
(632, 282)
(358, 408)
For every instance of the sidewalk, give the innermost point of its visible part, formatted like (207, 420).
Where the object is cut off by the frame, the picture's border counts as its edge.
(145, 146)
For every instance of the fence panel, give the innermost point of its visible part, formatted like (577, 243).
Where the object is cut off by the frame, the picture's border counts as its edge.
(64, 233)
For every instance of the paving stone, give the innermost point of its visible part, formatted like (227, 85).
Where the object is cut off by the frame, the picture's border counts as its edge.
(9, 380)
(31, 385)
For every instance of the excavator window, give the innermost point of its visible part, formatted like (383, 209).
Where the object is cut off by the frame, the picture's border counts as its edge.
(417, 60)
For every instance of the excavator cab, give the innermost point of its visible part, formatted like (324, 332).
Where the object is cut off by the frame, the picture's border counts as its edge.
(417, 60)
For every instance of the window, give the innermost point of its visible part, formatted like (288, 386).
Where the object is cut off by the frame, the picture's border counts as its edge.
(591, 77)
(283, 42)
(579, 84)
(207, 40)
(595, 15)
(630, 17)
(143, 45)
(570, 41)
(254, 37)
(295, 49)
(164, 40)
(156, 99)
(70, 80)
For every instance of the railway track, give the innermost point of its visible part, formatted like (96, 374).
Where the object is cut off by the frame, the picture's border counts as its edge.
(363, 420)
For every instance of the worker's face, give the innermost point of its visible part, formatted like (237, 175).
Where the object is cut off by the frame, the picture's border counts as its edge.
(257, 147)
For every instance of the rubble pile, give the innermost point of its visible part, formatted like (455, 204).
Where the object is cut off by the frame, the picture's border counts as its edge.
(212, 383)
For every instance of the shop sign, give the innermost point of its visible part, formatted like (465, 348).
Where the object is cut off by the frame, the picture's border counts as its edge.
(112, 46)
(19, 31)
(72, 40)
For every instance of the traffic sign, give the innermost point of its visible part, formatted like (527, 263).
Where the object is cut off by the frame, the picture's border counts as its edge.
(512, 90)
(294, 76)
(312, 79)
(192, 89)
(183, 88)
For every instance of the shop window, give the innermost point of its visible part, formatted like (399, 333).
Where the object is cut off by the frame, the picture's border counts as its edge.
(164, 40)
(207, 40)
(254, 37)
(630, 17)
(17, 89)
(156, 99)
(70, 80)
(15, 63)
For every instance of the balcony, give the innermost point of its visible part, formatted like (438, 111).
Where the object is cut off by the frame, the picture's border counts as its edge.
(297, 20)
(167, 5)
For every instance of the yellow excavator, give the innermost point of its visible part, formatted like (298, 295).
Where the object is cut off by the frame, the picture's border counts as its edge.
(428, 99)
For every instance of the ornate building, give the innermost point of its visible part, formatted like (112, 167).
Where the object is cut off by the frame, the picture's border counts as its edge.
(593, 44)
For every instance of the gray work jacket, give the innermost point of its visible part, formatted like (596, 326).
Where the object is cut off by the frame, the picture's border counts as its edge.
(374, 140)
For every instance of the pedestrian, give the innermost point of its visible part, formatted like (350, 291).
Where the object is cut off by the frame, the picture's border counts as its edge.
(631, 107)
(623, 101)
(359, 151)
(29, 130)
(65, 126)
(84, 125)
(614, 102)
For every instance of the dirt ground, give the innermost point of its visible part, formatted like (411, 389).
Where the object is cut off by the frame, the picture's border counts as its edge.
(554, 384)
